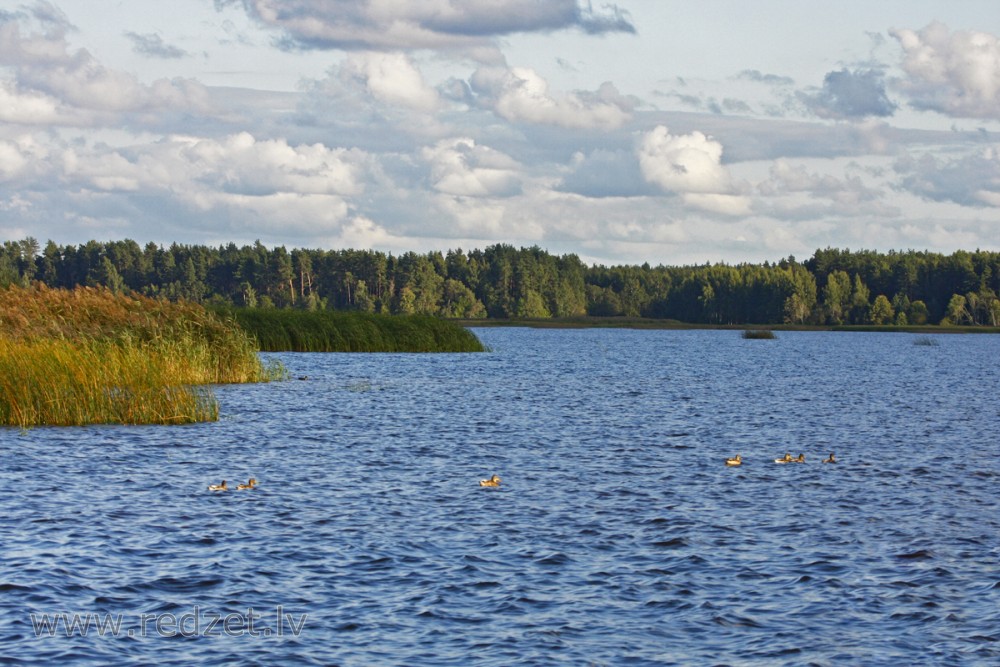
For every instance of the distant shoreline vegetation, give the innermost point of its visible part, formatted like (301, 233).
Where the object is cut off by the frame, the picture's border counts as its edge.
(649, 323)
(89, 356)
(833, 288)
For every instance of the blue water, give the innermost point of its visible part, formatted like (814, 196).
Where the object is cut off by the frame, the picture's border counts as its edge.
(618, 537)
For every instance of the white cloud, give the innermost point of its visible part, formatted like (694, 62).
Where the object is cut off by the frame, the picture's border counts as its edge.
(241, 163)
(795, 192)
(392, 79)
(238, 165)
(27, 108)
(521, 95)
(713, 202)
(401, 24)
(460, 167)
(48, 74)
(685, 163)
(11, 160)
(955, 73)
(972, 180)
(690, 165)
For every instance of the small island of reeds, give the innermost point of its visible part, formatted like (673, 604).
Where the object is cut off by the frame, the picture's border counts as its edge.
(758, 334)
(351, 331)
(91, 356)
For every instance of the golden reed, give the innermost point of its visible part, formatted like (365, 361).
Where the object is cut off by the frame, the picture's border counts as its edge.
(89, 356)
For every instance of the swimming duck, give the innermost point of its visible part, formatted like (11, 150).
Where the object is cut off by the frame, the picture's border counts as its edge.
(735, 461)
(801, 459)
(249, 485)
(218, 487)
(492, 481)
(787, 458)
(831, 459)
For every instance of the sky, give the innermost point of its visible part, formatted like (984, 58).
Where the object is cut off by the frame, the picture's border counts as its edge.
(637, 131)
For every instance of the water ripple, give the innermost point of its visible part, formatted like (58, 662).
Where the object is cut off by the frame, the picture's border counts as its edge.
(618, 537)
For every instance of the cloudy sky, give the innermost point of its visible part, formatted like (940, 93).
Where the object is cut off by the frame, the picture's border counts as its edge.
(644, 130)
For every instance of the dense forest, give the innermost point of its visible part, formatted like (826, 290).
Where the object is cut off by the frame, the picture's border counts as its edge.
(832, 287)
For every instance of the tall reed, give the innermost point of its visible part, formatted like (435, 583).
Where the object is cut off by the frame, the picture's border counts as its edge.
(336, 331)
(69, 383)
(91, 356)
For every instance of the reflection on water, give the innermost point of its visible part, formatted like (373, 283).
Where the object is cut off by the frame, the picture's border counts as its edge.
(618, 535)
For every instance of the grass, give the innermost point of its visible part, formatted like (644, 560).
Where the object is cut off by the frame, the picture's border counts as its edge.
(758, 334)
(336, 331)
(70, 383)
(89, 356)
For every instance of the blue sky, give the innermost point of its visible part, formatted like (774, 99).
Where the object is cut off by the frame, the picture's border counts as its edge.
(642, 131)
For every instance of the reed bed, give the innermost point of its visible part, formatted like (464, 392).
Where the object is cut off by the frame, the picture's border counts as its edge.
(759, 334)
(334, 331)
(71, 383)
(89, 356)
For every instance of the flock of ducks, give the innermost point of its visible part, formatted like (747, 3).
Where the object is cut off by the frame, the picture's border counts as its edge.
(494, 481)
(240, 487)
(787, 458)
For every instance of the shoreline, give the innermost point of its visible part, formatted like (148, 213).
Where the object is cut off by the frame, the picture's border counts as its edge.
(647, 323)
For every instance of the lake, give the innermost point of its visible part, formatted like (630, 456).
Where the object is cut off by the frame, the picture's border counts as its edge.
(618, 536)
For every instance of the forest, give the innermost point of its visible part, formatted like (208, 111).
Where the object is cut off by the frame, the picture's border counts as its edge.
(832, 287)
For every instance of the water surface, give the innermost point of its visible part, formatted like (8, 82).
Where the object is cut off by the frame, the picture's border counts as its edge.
(618, 536)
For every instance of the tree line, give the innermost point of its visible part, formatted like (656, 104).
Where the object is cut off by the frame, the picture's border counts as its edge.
(832, 287)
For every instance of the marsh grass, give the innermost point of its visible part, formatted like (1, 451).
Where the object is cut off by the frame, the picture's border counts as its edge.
(71, 383)
(334, 331)
(759, 334)
(89, 356)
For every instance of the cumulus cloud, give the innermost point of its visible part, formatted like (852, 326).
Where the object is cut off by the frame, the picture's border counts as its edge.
(391, 78)
(236, 171)
(690, 165)
(28, 108)
(36, 49)
(521, 95)
(402, 24)
(973, 180)
(152, 45)
(238, 185)
(686, 163)
(851, 94)
(954, 73)
(460, 167)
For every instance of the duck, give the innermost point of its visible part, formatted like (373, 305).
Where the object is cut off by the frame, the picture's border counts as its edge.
(218, 487)
(787, 458)
(735, 461)
(801, 459)
(831, 459)
(492, 481)
(249, 485)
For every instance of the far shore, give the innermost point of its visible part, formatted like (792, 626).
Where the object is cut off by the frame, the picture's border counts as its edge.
(647, 323)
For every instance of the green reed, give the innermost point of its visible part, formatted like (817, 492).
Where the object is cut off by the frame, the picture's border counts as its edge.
(67, 383)
(89, 356)
(339, 331)
(759, 334)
